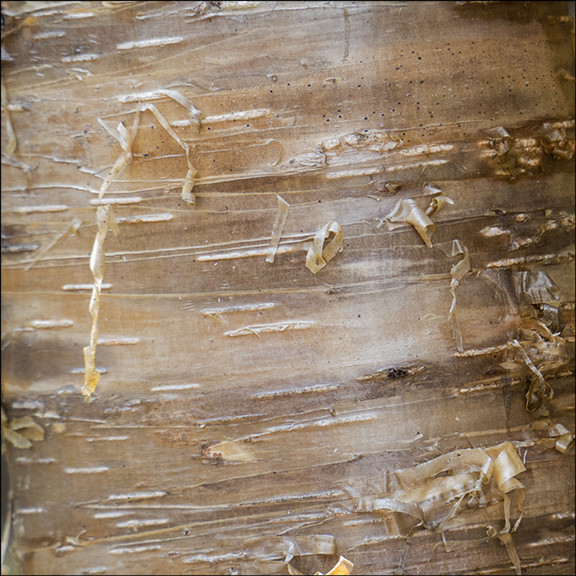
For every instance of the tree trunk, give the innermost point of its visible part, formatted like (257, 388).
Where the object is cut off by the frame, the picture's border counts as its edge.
(344, 249)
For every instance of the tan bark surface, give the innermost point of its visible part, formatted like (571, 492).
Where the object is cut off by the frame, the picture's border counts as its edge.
(243, 404)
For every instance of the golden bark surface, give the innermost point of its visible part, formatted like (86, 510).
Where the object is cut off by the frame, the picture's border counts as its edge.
(258, 385)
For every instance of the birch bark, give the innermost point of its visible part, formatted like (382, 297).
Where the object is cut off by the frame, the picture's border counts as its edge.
(247, 403)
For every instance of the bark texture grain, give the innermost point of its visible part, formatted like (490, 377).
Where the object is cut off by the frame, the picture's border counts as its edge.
(244, 404)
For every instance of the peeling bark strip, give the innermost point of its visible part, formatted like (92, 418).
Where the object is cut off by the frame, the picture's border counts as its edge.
(105, 220)
(262, 328)
(324, 246)
(283, 208)
(338, 326)
(72, 229)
